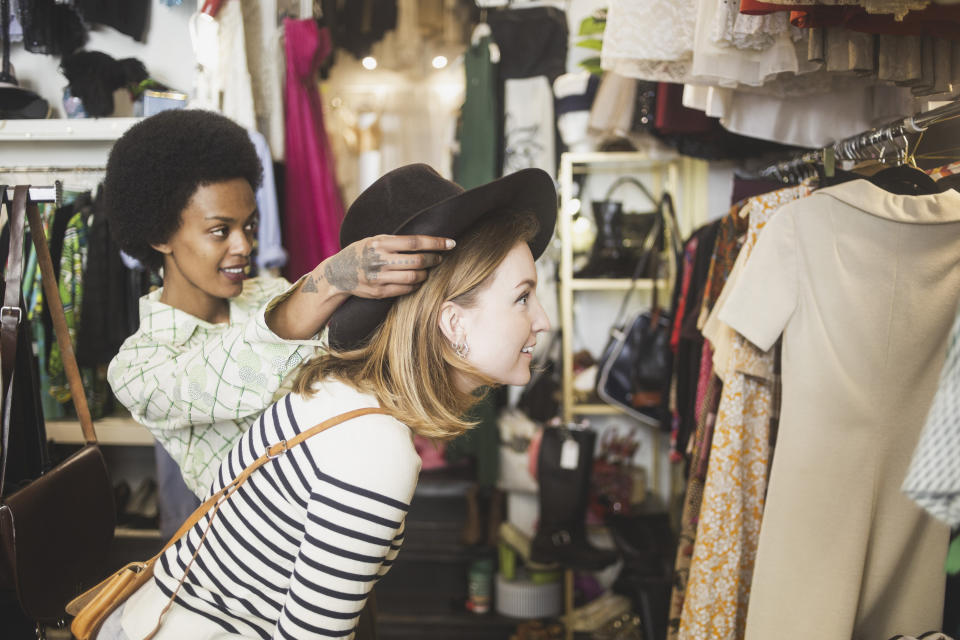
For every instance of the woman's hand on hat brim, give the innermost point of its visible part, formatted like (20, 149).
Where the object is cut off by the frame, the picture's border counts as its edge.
(381, 266)
(384, 266)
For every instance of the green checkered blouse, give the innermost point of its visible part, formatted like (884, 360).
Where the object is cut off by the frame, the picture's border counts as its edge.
(198, 386)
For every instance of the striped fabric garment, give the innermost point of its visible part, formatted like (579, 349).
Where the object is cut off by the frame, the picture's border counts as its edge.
(296, 550)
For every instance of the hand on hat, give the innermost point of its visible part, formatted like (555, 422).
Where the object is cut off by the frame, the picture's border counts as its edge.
(381, 266)
(384, 266)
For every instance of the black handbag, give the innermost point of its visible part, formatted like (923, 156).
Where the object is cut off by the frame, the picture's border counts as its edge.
(622, 236)
(636, 365)
(56, 530)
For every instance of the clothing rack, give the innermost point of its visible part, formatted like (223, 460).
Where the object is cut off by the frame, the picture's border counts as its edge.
(80, 178)
(38, 194)
(869, 145)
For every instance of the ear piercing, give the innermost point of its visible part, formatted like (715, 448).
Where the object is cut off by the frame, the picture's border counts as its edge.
(462, 349)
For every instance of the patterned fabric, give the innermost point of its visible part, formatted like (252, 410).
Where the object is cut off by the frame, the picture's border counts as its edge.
(733, 228)
(72, 260)
(198, 386)
(689, 252)
(933, 479)
(718, 587)
(942, 172)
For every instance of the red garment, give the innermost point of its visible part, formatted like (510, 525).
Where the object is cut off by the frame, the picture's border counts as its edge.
(688, 255)
(758, 8)
(313, 208)
(674, 118)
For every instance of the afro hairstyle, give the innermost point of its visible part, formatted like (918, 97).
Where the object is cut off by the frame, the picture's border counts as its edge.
(157, 165)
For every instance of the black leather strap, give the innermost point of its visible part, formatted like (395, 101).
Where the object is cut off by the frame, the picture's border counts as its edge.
(10, 312)
(631, 180)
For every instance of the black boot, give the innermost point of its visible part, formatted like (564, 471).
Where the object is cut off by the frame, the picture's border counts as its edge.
(561, 533)
(608, 257)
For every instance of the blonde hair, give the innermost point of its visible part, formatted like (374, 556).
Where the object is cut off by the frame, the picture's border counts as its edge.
(407, 363)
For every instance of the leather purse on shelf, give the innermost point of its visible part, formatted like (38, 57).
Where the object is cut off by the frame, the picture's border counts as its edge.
(636, 365)
(93, 606)
(621, 239)
(55, 530)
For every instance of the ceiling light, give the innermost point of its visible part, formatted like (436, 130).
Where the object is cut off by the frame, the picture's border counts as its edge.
(439, 62)
(369, 63)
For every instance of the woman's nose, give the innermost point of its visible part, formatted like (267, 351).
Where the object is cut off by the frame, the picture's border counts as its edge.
(241, 244)
(540, 320)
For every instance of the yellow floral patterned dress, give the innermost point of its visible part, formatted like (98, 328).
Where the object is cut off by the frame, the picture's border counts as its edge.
(718, 587)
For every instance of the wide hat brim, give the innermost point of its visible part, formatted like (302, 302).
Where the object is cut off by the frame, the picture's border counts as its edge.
(527, 190)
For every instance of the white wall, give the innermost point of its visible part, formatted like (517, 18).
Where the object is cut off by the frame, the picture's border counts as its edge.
(166, 53)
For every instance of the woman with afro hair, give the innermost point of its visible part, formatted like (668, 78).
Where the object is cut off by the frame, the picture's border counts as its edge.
(215, 347)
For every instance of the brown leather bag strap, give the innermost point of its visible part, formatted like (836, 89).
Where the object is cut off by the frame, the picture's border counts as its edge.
(272, 451)
(21, 199)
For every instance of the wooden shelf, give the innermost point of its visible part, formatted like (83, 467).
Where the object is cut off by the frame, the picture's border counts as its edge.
(595, 409)
(612, 284)
(110, 431)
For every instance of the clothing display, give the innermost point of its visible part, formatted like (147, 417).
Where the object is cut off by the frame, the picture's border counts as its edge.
(329, 511)
(476, 162)
(222, 78)
(770, 74)
(270, 251)
(226, 374)
(845, 276)
(529, 133)
(810, 486)
(732, 505)
(313, 205)
(532, 42)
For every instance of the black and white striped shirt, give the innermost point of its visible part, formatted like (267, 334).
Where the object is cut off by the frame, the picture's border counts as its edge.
(295, 551)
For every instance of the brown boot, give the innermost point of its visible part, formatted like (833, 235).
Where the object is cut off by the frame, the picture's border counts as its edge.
(472, 533)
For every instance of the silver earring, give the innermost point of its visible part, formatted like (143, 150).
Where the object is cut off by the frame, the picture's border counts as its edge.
(462, 349)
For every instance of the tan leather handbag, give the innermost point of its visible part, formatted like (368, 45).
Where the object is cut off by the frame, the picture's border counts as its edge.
(92, 607)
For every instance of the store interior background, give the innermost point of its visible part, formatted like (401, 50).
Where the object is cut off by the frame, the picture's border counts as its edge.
(415, 107)
(406, 110)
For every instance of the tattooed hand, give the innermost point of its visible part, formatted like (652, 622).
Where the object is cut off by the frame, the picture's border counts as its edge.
(381, 266)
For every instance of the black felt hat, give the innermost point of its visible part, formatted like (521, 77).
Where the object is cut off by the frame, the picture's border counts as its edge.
(415, 199)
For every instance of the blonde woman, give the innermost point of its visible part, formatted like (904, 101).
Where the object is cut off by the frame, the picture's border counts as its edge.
(296, 550)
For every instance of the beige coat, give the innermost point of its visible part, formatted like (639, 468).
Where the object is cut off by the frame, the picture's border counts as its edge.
(863, 285)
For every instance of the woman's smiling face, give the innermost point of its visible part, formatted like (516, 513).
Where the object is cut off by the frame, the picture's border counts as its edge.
(501, 329)
(206, 258)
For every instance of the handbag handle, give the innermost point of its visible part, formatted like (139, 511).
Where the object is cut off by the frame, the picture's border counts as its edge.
(21, 202)
(630, 180)
(10, 315)
(648, 252)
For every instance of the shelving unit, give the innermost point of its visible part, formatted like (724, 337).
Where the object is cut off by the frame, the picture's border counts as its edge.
(59, 143)
(674, 175)
(65, 129)
(664, 174)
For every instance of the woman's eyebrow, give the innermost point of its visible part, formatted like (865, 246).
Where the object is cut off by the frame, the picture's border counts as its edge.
(526, 283)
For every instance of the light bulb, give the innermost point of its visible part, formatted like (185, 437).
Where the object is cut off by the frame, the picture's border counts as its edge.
(369, 63)
(439, 62)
